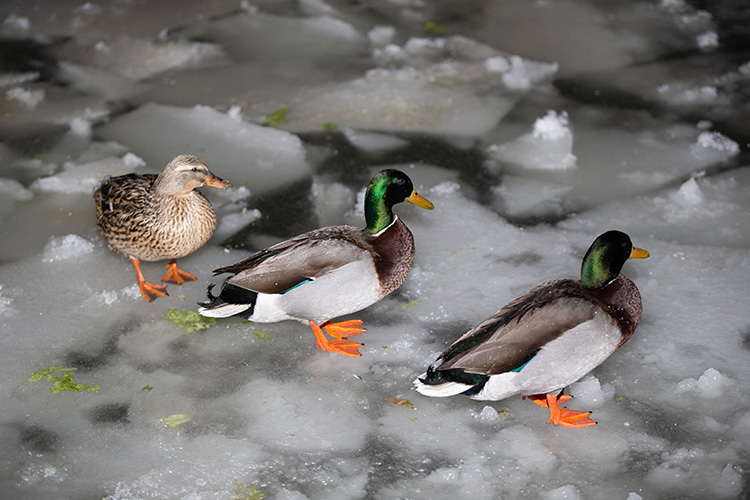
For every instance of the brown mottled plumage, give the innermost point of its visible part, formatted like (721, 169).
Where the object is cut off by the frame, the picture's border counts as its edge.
(154, 217)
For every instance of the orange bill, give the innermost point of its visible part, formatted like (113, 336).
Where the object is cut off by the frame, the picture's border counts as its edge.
(217, 182)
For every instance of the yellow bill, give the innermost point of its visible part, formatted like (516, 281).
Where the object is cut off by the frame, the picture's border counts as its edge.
(638, 253)
(420, 200)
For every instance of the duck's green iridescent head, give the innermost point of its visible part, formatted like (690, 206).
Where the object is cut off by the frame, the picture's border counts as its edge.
(387, 188)
(606, 256)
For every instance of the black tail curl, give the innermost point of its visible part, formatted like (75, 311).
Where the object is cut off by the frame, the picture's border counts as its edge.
(437, 377)
(231, 294)
(213, 301)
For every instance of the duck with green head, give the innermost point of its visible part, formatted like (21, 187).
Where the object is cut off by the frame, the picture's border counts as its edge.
(547, 338)
(328, 272)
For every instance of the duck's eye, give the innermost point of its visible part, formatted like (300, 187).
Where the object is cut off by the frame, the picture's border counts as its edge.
(194, 169)
(401, 182)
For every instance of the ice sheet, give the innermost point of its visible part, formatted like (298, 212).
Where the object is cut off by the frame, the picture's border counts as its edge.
(649, 99)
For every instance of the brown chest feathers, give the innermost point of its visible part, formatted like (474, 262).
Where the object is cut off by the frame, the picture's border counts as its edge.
(393, 255)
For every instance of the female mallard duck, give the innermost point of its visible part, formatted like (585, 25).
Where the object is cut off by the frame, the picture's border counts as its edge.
(328, 272)
(547, 338)
(150, 217)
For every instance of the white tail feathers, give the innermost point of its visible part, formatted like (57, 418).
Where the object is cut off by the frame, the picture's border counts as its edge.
(441, 390)
(224, 310)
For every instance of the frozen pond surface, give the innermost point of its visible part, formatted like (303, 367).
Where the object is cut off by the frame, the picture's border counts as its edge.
(532, 126)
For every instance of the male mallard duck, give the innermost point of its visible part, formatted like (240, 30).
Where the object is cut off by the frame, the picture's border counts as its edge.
(547, 338)
(154, 217)
(328, 272)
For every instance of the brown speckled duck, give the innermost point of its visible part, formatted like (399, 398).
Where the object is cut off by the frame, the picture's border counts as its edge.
(154, 217)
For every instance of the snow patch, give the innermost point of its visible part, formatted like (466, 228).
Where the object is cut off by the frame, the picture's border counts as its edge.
(523, 73)
(380, 36)
(29, 99)
(445, 188)
(708, 40)
(716, 141)
(133, 160)
(710, 385)
(11, 189)
(10, 79)
(105, 297)
(70, 246)
(689, 194)
(589, 392)
(16, 22)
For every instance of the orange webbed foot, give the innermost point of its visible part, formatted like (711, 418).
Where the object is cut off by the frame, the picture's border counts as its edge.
(572, 419)
(176, 275)
(575, 419)
(339, 345)
(344, 329)
(149, 291)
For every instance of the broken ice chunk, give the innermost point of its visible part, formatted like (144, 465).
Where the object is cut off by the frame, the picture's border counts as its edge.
(82, 178)
(710, 385)
(715, 141)
(264, 157)
(549, 145)
(371, 142)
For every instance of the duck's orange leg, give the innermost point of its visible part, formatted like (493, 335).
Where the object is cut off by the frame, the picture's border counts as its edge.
(176, 275)
(541, 399)
(340, 345)
(149, 291)
(572, 419)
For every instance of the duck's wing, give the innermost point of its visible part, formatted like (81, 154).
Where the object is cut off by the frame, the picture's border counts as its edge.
(124, 196)
(306, 257)
(511, 337)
